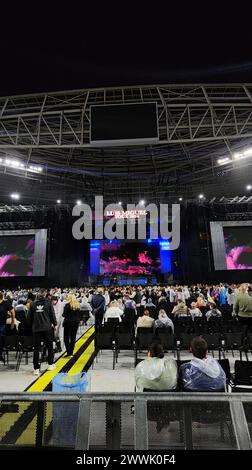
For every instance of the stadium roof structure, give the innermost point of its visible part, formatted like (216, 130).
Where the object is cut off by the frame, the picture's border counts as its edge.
(205, 142)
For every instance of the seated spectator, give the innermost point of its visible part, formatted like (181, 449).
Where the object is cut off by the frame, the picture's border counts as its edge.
(201, 302)
(113, 311)
(195, 311)
(85, 305)
(203, 373)
(149, 304)
(162, 303)
(213, 312)
(163, 321)
(145, 321)
(156, 372)
(180, 310)
(129, 303)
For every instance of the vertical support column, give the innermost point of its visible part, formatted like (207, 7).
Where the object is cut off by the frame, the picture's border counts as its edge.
(41, 417)
(83, 424)
(113, 425)
(188, 427)
(240, 425)
(141, 429)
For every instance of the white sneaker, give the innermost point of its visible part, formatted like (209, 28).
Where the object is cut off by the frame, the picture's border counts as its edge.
(51, 367)
(36, 372)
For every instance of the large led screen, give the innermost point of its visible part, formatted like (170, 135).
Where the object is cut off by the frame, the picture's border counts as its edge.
(22, 253)
(238, 247)
(232, 245)
(122, 257)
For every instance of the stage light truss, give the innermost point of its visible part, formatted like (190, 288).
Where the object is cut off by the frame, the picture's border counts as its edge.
(202, 129)
(186, 113)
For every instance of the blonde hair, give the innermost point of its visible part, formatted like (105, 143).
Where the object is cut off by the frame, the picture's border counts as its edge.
(73, 302)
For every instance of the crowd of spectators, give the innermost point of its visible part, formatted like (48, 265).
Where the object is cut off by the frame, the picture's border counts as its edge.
(53, 315)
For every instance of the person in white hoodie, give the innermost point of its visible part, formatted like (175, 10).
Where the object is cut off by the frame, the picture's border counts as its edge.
(203, 373)
(163, 321)
(156, 372)
(113, 311)
(58, 306)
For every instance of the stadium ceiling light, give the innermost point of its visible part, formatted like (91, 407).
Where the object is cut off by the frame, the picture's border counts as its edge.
(223, 161)
(248, 187)
(15, 196)
(245, 154)
(13, 163)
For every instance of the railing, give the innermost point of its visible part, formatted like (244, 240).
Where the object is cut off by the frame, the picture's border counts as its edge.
(138, 421)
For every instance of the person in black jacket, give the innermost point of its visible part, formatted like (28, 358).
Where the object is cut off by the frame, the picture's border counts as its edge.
(98, 306)
(5, 308)
(72, 318)
(41, 318)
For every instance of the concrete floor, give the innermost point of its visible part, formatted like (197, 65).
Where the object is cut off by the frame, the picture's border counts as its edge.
(102, 377)
(105, 379)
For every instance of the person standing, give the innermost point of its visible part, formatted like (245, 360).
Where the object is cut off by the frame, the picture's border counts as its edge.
(243, 306)
(98, 306)
(5, 309)
(41, 317)
(58, 309)
(72, 318)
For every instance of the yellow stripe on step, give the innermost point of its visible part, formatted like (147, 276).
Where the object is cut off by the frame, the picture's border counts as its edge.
(46, 378)
(82, 361)
(28, 437)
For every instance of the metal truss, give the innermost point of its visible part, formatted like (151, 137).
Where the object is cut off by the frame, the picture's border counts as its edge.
(198, 124)
(186, 113)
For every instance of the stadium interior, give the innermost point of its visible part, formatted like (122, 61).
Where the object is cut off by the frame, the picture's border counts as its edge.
(102, 338)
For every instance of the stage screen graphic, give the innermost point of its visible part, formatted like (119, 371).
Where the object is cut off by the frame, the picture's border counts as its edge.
(22, 253)
(238, 247)
(232, 245)
(141, 257)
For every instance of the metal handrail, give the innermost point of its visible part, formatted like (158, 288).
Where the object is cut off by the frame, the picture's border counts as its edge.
(140, 399)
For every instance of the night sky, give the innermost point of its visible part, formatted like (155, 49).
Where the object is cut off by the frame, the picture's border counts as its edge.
(91, 47)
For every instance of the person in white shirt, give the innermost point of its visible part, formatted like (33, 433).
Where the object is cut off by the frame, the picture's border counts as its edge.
(145, 321)
(186, 292)
(120, 304)
(163, 321)
(107, 298)
(58, 309)
(113, 311)
(172, 296)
